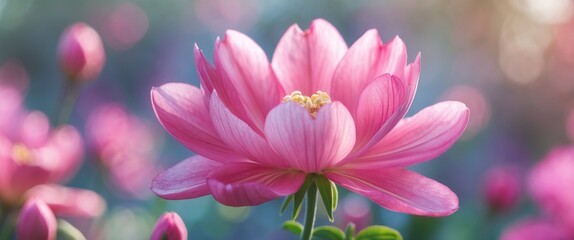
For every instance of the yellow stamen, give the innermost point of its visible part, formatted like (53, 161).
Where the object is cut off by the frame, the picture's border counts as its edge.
(312, 104)
(21, 154)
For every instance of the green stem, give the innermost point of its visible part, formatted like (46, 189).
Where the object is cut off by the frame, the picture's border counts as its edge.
(311, 212)
(71, 92)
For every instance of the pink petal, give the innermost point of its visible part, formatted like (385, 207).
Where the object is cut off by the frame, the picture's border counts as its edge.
(36, 221)
(305, 61)
(242, 138)
(243, 65)
(367, 59)
(34, 129)
(381, 106)
(535, 229)
(180, 109)
(250, 184)
(65, 201)
(422, 137)
(63, 153)
(310, 144)
(411, 79)
(399, 190)
(206, 72)
(185, 180)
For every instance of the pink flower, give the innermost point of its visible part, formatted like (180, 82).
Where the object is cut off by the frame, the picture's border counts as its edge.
(258, 131)
(81, 53)
(32, 154)
(534, 229)
(66, 201)
(124, 145)
(548, 182)
(501, 187)
(169, 226)
(36, 221)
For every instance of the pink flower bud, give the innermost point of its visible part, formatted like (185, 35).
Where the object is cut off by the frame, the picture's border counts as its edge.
(81, 53)
(36, 221)
(502, 187)
(169, 226)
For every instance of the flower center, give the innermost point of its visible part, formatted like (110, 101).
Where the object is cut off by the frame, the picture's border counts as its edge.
(21, 154)
(312, 104)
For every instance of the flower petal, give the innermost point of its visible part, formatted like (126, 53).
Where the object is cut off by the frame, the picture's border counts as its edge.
(63, 153)
(65, 201)
(305, 61)
(411, 79)
(310, 144)
(243, 65)
(206, 72)
(185, 180)
(242, 138)
(250, 184)
(420, 138)
(399, 190)
(180, 109)
(381, 106)
(367, 59)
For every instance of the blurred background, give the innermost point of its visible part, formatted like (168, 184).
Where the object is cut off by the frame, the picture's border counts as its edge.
(510, 61)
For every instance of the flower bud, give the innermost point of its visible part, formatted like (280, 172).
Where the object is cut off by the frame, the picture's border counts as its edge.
(81, 53)
(502, 188)
(169, 226)
(36, 221)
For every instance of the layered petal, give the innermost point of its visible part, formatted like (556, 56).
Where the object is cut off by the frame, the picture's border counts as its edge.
(310, 144)
(305, 60)
(206, 72)
(243, 65)
(420, 138)
(367, 59)
(181, 110)
(411, 78)
(184, 180)
(65, 201)
(399, 190)
(242, 138)
(250, 184)
(381, 106)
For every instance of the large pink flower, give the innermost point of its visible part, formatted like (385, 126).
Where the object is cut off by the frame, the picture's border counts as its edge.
(258, 132)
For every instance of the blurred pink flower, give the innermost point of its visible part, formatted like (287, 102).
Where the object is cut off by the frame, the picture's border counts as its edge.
(124, 26)
(81, 53)
(534, 229)
(169, 226)
(32, 154)
(258, 134)
(548, 182)
(66, 201)
(354, 209)
(124, 146)
(36, 221)
(501, 187)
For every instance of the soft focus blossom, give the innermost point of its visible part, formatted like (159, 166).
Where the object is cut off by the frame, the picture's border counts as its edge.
(534, 229)
(33, 154)
(319, 107)
(549, 181)
(354, 209)
(501, 187)
(36, 221)
(124, 146)
(169, 226)
(66, 201)
(81, 53)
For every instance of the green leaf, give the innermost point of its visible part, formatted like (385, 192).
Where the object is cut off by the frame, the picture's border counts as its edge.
(326, 190)
(67, 231)
(300, 194)
(335, 194)
(328, 233)
(286, 203)
(379, 233)
(350, 231)
(293, 227)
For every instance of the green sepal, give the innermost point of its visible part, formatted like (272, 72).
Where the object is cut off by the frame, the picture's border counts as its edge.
(350, 231)
(300, 194)
(293, 227)
(326, 190)
(328, 233)
(378, 232)
(67, 231)
(286, 203)
(335, 194)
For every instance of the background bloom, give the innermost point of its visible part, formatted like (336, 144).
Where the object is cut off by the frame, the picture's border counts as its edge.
(258, 130)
